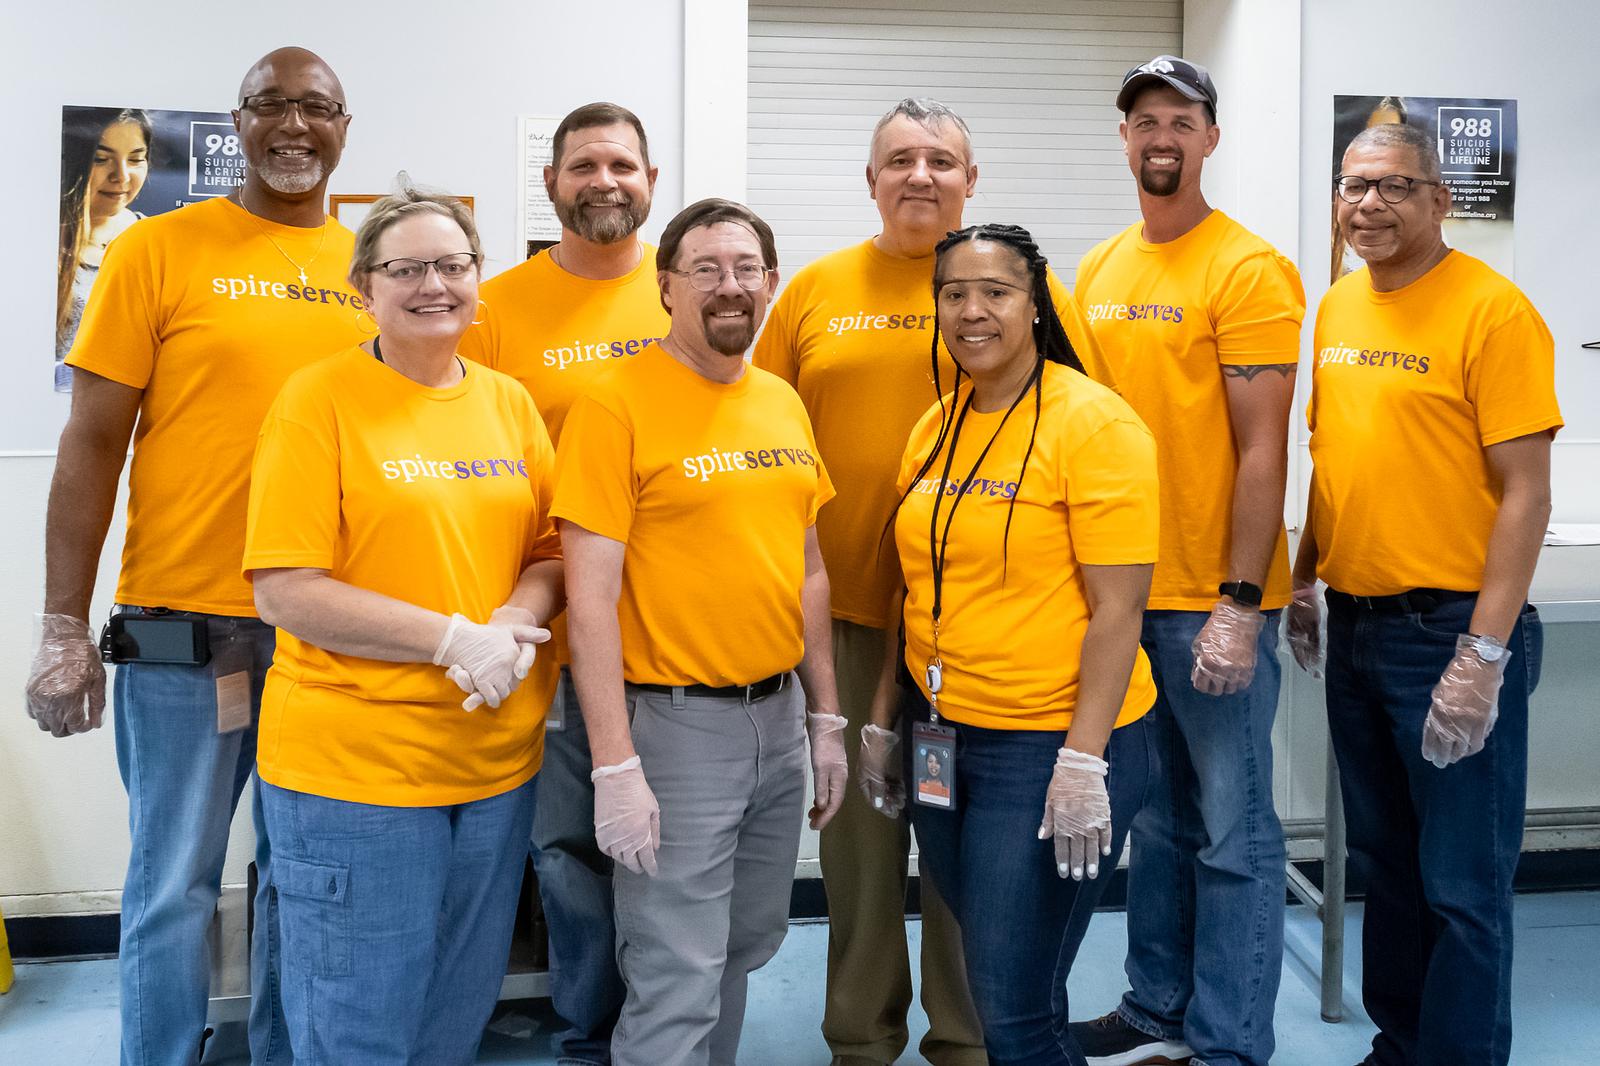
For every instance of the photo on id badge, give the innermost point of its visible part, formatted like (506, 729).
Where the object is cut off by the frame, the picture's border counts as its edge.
(934, 770)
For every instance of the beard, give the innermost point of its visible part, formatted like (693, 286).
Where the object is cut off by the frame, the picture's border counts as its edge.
(291, 182)
(1160, 182)
(606, 227)
(729, 336)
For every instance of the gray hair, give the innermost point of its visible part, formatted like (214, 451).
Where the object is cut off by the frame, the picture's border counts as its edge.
(405, 201)
(1401, 135)
(927, 113)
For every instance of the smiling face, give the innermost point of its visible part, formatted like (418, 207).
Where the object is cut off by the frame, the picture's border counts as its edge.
(920, 177)
(984, 296)
(601, 189)
(1394, 236)
(1167, 137)
(427, 308)
(289, 154)
(121, 163)
(724, 320)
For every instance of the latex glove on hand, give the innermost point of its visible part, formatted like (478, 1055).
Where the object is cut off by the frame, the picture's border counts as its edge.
(627, 818)
(1077, 812)
(66, 689)
(1466, 702)
(879, 772)
(1225, 649)
(1302, 627)
(487, 661)
(830, 770)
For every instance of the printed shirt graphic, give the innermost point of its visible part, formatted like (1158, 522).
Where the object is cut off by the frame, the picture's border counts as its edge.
(852, 333)
(1408, 389)
(1012, 626)
(438, 497)
(1169, 317)
(712, 488)
(557, 333)
(202, 312)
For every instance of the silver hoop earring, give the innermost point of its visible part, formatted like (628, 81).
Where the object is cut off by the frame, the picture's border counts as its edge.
(479, 321)
(360, 315)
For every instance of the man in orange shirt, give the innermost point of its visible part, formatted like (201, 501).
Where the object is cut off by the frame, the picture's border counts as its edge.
(557, 323)
(1200, 321)
(198, 318)
(1432, 411)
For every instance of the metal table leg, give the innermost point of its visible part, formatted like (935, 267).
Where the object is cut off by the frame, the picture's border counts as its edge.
(1328, 902)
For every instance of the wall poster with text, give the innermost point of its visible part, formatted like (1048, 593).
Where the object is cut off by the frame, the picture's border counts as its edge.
(1477, 144)
(121, 164)
(537, 225)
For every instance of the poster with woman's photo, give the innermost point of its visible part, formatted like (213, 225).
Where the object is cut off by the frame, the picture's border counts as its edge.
(1477, 144)
(121, 164)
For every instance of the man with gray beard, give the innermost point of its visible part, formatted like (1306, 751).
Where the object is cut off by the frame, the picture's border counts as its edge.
(198, 318)
(555, 323)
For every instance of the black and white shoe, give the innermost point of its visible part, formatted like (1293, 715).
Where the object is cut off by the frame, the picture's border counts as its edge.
(1111, 1041)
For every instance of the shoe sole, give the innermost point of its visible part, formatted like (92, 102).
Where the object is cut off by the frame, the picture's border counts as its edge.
(1166, 1053)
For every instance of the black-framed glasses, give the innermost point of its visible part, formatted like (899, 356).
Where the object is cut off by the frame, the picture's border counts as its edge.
(312, 108)
(1392, 188)
(707, 276)
(450, 267)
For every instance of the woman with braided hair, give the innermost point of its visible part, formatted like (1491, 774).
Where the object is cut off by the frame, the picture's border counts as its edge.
(1026, 533)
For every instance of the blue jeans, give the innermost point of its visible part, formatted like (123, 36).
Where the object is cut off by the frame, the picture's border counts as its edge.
(1206, 878)
(396, 923)
(1021, 922)
(184, 782)
(1437, 848)
(586, 989)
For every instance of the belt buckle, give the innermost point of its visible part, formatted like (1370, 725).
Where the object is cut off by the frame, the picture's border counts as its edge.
(749, 690)
(1365, 603)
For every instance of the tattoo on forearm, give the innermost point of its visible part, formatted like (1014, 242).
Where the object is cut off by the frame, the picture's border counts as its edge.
(1249, 373)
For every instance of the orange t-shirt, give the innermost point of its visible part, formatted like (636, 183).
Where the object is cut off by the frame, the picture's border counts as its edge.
(202, 309)
(1408, 389)
(853, 333)
(1169, 317)
(438, 497)
(712, 487)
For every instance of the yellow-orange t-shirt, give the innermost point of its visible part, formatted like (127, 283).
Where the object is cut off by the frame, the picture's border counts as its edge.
(1408, 389)
(1014, 609)
(853, 333)
(1169, 317)
(438, 497)
(202, 309)
(556, 332)
(712, 487)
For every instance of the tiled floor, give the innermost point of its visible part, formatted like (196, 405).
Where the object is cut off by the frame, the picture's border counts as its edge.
(65, 1013)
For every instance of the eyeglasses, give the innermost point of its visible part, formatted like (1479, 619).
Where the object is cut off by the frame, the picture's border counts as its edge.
(450, 267)
(1392, 189)
(312, 108)
(706, 277)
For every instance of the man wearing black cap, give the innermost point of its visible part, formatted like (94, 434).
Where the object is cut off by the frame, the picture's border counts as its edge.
(1199, 321)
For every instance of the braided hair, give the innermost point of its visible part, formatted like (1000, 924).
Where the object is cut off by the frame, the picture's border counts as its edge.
(1050, 341)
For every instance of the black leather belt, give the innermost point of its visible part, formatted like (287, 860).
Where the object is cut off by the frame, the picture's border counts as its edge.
(751, 693)
(1412, 601)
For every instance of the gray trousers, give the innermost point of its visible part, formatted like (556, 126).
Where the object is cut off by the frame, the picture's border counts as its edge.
(730, 779)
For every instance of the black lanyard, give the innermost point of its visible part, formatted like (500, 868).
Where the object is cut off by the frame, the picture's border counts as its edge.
(377, 353)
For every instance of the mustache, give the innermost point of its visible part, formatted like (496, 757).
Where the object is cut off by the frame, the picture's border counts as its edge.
(619, 199)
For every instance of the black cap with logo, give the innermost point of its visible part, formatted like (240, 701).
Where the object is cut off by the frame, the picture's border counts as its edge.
(1190, 79)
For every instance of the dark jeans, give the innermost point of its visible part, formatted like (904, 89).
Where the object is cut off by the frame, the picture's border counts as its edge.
(1021, 923)
(1437, 848)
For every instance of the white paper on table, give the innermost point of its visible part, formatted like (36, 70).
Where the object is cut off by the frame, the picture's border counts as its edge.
(1566, 534)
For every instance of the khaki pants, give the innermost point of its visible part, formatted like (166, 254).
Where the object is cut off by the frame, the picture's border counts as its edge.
(864, 858)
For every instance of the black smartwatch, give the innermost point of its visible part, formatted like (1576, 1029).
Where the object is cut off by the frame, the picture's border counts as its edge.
(1243, 593)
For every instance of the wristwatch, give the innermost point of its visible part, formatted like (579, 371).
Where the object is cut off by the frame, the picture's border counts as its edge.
(1486, 648)
(1243, 593)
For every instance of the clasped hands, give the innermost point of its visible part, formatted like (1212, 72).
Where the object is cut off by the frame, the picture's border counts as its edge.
(489, 660)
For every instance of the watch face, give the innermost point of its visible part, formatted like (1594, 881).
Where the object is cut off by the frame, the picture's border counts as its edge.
(1489, 651)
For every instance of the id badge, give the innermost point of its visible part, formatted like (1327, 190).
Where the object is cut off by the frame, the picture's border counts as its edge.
(231, 668)
(555, 719)
(933, 765)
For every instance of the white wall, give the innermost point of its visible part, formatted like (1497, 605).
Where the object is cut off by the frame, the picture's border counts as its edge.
(435, 89)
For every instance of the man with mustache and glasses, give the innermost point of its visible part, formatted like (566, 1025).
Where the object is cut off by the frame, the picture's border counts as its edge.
(196, 321)
(556, 323)
(687, 492)
(1200, 320)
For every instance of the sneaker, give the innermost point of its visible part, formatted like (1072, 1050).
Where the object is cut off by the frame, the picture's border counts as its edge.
(1111, 1041)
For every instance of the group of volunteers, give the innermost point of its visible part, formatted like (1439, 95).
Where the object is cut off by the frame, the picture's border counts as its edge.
(1009, 556)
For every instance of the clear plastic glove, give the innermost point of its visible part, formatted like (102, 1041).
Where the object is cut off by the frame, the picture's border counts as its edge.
(487, 661)
(1466, 703)
(66, 689)
(830, 771)
(1225, 649)
(879, 772)
(627, 818)
(1302, 628)
(1077, 811)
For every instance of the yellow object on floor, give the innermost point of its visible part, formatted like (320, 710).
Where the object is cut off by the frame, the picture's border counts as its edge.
(6, 973)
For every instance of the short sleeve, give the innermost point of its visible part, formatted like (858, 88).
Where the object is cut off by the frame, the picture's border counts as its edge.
(120, 333)
(1113, 500)
(1258, 311)
(294, 511)
(596, 487)
(1080, 333)
(777, 349)
(543, 540)
(1511, 381)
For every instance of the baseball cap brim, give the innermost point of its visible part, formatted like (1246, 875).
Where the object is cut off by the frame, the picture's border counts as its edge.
(1135, 85)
